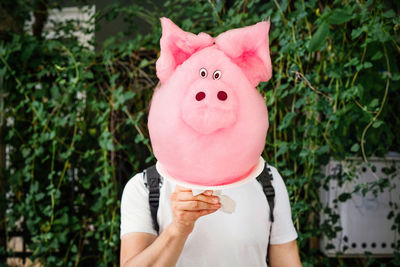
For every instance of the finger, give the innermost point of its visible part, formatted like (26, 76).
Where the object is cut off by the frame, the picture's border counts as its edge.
(179, 188)
(196, 205)
(206, 212)
(187, 196)
(208, 192)
(193, 215)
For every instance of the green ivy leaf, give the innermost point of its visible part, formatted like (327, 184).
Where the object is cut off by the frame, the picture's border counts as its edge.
(39, 196)
(378, 55)
(377, 123)
(367, 65)
(355, 33)
(286, 120)
(344, 196)
(26, 152)
(144, 63)
(396, 76)
(340, 16)
(355, 147)
(282, 149)
(319, 37)
(389, 14)
(374, 103)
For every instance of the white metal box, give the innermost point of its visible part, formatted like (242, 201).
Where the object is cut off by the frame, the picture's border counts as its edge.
(362, 218)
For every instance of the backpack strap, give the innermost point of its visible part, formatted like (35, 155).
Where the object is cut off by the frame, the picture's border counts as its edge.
(265, 179)
(153, 181)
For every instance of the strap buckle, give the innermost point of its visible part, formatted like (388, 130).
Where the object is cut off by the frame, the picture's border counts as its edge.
(269, 191)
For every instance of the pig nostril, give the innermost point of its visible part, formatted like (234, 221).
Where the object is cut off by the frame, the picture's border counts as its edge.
(200, 96)
(222, 95)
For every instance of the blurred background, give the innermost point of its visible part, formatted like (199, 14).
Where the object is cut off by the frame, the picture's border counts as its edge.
(76, 78)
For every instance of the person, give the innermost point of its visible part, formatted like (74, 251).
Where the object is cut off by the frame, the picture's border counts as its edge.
(195, 232)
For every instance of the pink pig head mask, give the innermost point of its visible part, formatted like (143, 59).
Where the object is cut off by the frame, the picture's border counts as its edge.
(207, 121)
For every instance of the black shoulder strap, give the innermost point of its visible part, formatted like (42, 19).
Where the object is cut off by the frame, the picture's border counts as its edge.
(153, 181)
(265, 179)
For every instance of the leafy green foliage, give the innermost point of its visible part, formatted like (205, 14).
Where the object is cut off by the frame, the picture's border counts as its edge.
(75, 119)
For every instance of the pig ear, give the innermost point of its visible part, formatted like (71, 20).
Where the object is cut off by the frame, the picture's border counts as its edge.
(248, 47)
(176, 46)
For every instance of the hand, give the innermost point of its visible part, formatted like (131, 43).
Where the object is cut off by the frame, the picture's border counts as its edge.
(186, 208)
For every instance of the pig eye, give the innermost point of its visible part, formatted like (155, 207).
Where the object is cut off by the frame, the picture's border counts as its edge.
(217, 75)
(203, 73)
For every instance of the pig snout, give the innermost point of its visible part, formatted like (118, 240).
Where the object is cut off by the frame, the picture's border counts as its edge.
(207, 108)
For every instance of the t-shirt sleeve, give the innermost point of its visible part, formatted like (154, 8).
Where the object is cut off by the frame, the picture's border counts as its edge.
(135, 208)
(283, 230)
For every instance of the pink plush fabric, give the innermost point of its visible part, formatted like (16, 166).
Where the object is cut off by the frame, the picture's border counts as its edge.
(207, 122)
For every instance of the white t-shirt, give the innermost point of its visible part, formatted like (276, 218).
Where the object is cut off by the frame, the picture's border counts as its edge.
(218, 239)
